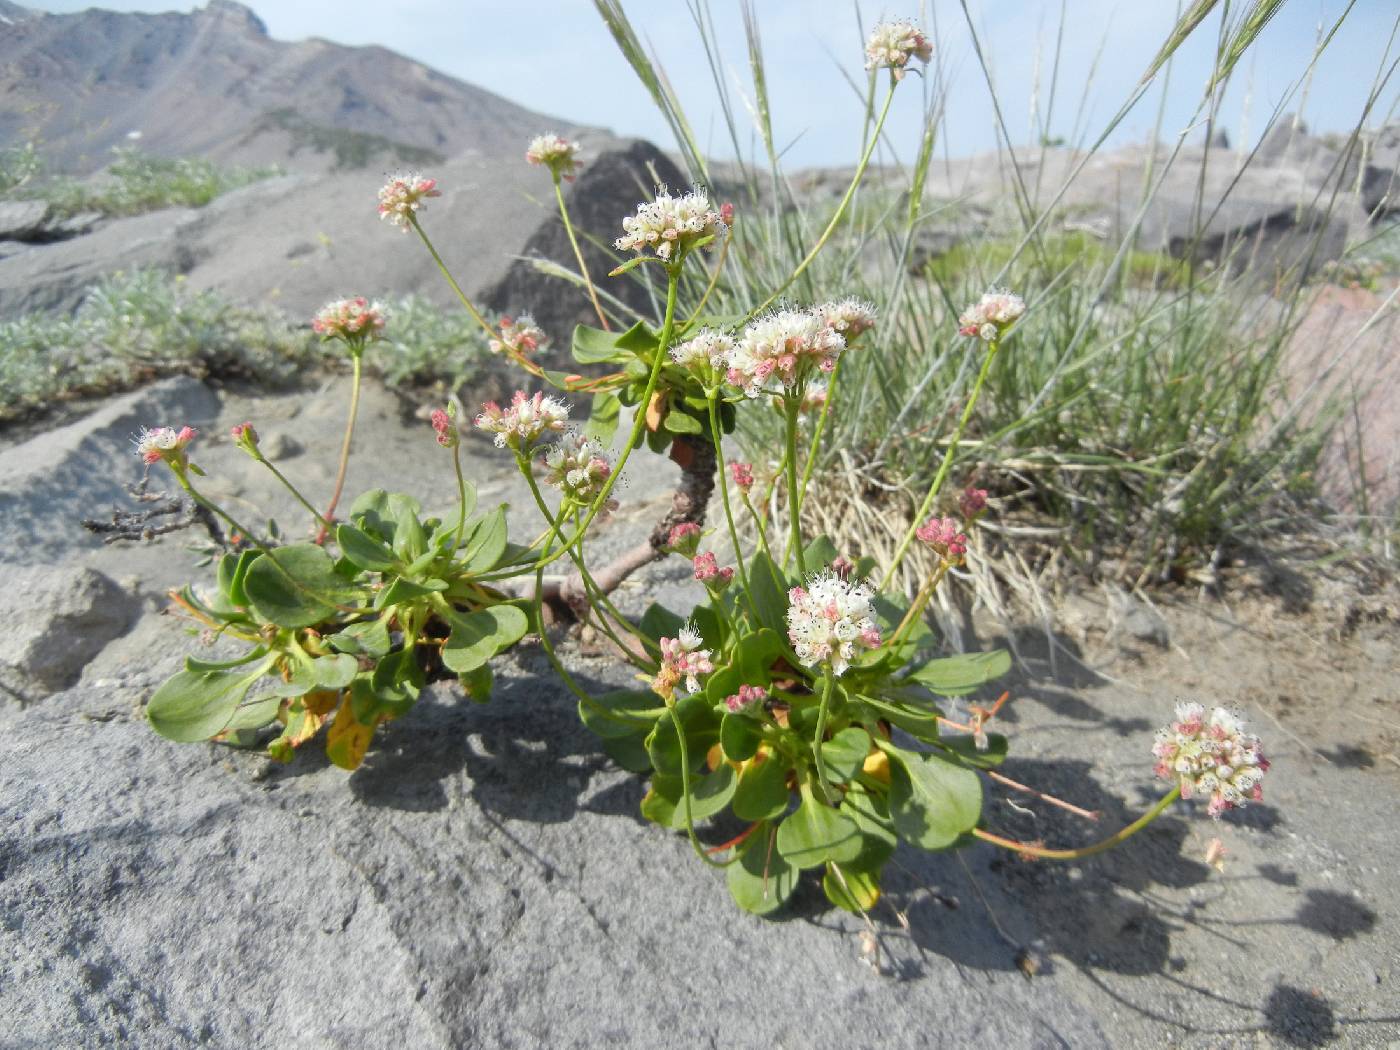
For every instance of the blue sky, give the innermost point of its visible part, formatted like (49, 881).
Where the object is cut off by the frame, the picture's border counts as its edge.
(556, 57)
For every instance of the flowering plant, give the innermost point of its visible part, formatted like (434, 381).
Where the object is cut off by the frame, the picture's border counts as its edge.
(801, 700)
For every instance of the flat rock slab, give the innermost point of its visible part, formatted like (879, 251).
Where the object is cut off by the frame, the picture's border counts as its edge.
(484, 880)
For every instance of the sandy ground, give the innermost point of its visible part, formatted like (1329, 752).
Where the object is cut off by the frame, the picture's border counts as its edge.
(1293, 944)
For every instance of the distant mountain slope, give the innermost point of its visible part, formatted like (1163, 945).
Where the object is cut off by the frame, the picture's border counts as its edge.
(213, 82)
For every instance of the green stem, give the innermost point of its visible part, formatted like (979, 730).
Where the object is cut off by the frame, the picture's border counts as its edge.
(828, 687)
(582, 266)
(452, 281)
(792, 405)
(1132, 829)
(673, 274)
(329, 516)
(942, 474)
(920, 601)
(461, 497)
(758, 524)
(685, 792)
(821, 426)
(840, 209)
(717, 439)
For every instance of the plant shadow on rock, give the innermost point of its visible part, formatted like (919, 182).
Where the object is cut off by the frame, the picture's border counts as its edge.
(1299, 1018)
(525, 755)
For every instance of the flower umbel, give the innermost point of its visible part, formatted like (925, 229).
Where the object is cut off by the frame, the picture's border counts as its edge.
(578, 468)
(684, 539)
(1213, 757)
(704, 355)
(559, 155)
(830, 620)
(682, 658)
(893, 44)
(851, 317)
(746, 699)
(447, 435)
(356, 321)
(519, 336)
(670, 226)
(992, 315)
(165, 443)
(524, 422)
(972, 502)
(943, 537)
(782, 350)
(402, 197)
(708, 572)
(742, 475)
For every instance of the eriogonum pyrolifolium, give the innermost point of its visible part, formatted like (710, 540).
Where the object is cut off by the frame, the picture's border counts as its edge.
(520, 335)
(557, 154)
(708, 572)
(682, 658)
(746, 699)
(1211, 757)
(684, 539)
(355, 320)
(742, 474)
(893, 44)
(972, 502)
(445, 429)
(992, 315)
(851, 317)
(944, 537)
(577, 467)
(524, 422)
(704, 355)
(670, 226)
(781, 350)
(830, 620)
(402, 197)
(164, 443)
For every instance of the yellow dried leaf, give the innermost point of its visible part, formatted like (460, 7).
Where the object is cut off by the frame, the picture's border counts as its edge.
(348, 740)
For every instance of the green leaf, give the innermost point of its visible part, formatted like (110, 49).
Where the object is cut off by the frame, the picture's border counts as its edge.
(739, 736)
(603, 417)
(918, 723)
(852, 890)
(255, 714)
(819, 554)
(769, 588)
(639, 339)
(477, 683)
(296, 586)
(196, 665)
(486, 542)
(701, 732)
(410, 539)
(334, 672)
(756, 653)
(621, 701)
(932, 800)
(965, 748)
(762, 881)
(591, 346)
(196, 705)
(956, 675)
(679, 422)
(480, 635)
(762, 793)
(363, 549)
(872, 815)
(629, 752)
(708, 795)
(236, 589)
(368, 638)
(401, 590)
(816, 833)
(844, 754)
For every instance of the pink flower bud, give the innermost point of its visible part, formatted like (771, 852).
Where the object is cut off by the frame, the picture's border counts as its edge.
(684, 539)
(742, 473)
(972, 502)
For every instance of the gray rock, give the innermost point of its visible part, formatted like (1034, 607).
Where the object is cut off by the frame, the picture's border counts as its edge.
(72, 226)
(1380, 186)
(56, 277)
(20, 219)
(1137, 619)
(608, 188)
(484, 880)
(51, 482)
(56, 620)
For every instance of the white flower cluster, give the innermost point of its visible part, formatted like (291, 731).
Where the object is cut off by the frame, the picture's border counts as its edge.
(682, 658)
(781, 350)
(670, 225)
(992, 315)
(704, 355)
(401, 198)
(1212, 757)
(893, 44)
(520, 335)
(851, 317)
(557, 154)
(577, 467)
(829, 620)
(524, 422)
